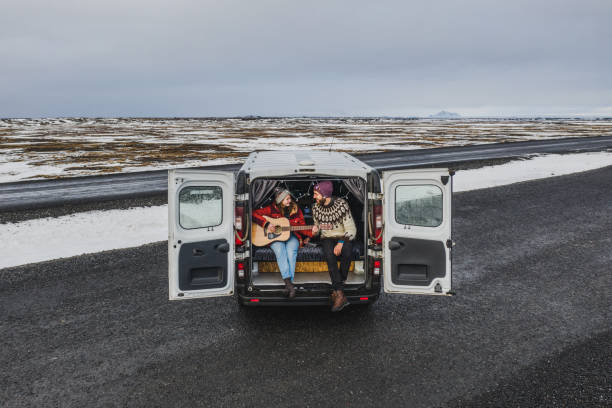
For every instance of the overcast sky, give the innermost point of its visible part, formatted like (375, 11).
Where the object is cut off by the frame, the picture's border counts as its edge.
(251, 57)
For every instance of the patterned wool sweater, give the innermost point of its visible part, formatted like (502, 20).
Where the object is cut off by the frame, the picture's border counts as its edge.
(338, 213)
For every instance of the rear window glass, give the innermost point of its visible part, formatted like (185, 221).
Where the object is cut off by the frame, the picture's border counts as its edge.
(200, 207)
(418, 205)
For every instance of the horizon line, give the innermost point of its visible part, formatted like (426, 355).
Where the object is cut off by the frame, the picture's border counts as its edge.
(252, 117)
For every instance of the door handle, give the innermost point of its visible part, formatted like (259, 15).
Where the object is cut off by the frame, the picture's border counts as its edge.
(393, 245)
(224, 247)
(198, 252)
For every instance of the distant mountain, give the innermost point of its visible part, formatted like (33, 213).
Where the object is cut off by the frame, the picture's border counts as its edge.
(445, 115)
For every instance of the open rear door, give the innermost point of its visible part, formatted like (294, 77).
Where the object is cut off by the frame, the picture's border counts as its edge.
(200, 233)
(417, 233)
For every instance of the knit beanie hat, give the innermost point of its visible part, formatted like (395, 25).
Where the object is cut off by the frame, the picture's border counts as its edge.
(325, 188)
(280, 194)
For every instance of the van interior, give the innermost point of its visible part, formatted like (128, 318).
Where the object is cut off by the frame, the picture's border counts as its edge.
(311, 267)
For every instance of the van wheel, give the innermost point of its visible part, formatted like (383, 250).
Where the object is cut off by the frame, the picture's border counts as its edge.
(242, 305)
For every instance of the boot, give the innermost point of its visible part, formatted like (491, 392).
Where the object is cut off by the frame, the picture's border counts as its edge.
(332, 297)
(289, 288)
(340, 301)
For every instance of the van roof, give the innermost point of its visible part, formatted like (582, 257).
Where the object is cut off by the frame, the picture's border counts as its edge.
(293, 162)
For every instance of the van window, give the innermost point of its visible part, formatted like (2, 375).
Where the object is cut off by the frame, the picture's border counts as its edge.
(200, 207)
(418, 205)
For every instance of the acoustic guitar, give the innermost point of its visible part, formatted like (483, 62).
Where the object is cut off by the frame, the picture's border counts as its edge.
(281, 232)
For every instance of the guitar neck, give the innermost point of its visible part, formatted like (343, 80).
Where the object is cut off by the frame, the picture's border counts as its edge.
(301, 227)
(305, 227)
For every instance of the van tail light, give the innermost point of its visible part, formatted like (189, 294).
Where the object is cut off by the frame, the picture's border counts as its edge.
(378, 223)
(377, 267)
(239, 225)
(240, 269)
(238, 222)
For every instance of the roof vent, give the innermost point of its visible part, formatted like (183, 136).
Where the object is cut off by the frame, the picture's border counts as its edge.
(306, 163)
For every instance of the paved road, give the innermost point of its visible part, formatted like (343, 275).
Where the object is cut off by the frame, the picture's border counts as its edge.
(531, 324)
(46, 193)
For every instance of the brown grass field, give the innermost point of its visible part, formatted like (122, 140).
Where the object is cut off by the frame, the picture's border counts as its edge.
(82, 146)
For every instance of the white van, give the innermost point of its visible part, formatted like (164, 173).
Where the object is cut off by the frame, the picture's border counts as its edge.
(403, 221)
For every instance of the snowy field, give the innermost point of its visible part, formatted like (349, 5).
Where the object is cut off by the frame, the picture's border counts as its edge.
(95, 231)
(65, 147)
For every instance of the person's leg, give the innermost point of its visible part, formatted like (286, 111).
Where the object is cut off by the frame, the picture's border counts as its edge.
(345, 259)
(332, 263)
(280, 251)
(339, 300)
(292, 249)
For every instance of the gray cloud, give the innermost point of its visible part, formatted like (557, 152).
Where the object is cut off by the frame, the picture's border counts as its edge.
(196, 58)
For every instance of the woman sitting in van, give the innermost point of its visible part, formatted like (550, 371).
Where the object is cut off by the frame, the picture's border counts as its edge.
(286, 252)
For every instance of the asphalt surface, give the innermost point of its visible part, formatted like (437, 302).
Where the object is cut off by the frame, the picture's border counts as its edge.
(579, 376)
(93, 189)
(531, 324)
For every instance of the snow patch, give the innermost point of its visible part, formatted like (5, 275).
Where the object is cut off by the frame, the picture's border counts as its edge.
(88, 232)
(534, 168)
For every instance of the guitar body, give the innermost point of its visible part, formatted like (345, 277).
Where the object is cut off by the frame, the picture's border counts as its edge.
(259, 238)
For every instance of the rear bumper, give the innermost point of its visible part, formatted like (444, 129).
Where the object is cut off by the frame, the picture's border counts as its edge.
(255, 300)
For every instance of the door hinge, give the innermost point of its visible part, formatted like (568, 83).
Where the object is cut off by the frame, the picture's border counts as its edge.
(241, 197)
(444, 179)
(450, 243)
(241, 256)
(375, 196)
(243, 247)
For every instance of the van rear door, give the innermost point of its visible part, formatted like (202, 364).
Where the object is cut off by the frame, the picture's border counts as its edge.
(417, 241)
(200, 232)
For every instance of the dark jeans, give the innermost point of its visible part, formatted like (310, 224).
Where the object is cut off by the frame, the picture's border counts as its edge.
(337, 276)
